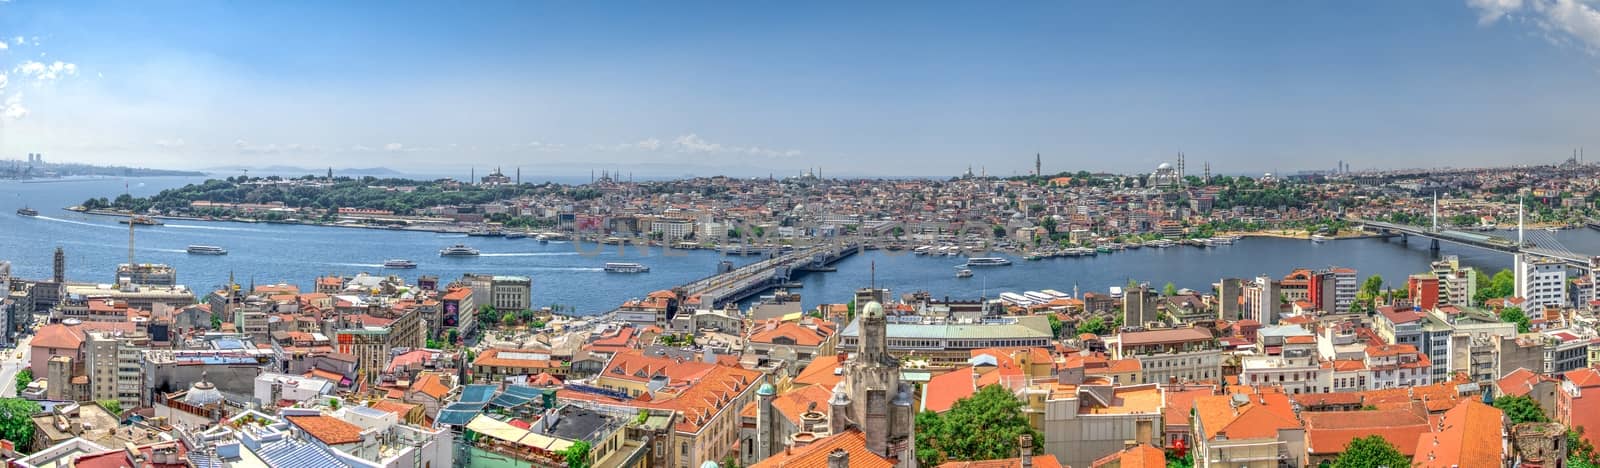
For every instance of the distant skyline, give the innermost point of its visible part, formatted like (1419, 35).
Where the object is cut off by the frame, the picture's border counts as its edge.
(877, 89)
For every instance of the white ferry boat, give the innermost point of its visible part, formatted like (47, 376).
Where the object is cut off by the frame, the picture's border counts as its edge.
(207, 250)
(399, 263)
(963, 273)
(458, 250)
(626, 268)
(987, 261)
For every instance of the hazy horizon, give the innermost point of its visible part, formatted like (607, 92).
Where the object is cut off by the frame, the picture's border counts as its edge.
(883, 89)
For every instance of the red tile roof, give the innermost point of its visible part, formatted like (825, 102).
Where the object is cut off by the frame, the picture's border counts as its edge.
(943, 391)
(328, 429)
(1470, 437)
(1140, 456)
(1039, 461)
(816, 455)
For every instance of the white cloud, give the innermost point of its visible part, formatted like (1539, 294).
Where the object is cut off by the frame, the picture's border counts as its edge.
(12, 108)
(394, 147)
(1560, 21)
(43, 72)
(1490, 11)
(4, 46)
(4, 80)
(693, 143)
(171, 144)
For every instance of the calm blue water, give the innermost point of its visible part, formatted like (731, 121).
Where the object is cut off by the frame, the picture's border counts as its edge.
(272, 253)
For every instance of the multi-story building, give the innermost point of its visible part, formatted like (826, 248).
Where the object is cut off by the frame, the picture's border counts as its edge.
(1423, 290)
(1457, 284)
(1087, 418)
(1295, 368)
(1171, 355)
(1541, 281)
(949, 343)
(1395, 366)
(147, 274)
(672, 228)
(506, 293)
(797, 342)
(1263, 300)
(1256, 428)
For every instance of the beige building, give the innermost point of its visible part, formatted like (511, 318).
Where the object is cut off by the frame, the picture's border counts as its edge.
(1172, 355)
(1251, 429)
(1085, 421)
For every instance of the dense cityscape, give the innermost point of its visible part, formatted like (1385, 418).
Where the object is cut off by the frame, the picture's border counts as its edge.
(1294, 368)
(544, 234)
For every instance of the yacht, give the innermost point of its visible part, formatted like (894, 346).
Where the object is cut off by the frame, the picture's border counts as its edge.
(458, 250)
(1552, 229)
(963, 273)
(987, 261)
(1319, 238)
(922, 250)
(25, 211)
(626, 268)
(399, 263)
(207, 250)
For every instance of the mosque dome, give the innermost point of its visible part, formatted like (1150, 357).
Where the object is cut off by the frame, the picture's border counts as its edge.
(1164, 166)
(767, 389)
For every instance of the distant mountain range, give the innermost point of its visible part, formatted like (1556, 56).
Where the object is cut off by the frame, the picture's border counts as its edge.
(299, 171)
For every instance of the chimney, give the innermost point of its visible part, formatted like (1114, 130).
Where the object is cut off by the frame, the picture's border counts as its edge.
(1025, 442)
(839, 458)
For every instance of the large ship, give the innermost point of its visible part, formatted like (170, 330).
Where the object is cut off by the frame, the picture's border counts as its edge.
(626, 268)
(207, 250)
(458, 250)
(987, 261)
(399, 263)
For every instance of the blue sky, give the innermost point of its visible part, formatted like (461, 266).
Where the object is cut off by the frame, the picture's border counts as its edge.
(879, 88)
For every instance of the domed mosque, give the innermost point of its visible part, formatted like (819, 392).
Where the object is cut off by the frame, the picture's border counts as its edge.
(202, 393)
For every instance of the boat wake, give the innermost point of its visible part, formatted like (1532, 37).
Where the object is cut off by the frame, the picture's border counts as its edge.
(451, 236)
(360, 265)
(81, 223)
(527, 254)
(566, 269)
(212, 228)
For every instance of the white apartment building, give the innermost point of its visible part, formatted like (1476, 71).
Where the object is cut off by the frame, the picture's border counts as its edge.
(1542, 281)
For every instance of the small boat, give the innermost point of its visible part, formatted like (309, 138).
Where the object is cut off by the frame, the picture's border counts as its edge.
(626, 268)
(25, 211)
(399, 263)
(485, 232)
(1552, 229)
(1033, 257)
(207, 250)
(517, 235)
(458, 250)
(140, 220)
(987, 261)
(1319, 238)
(922, 250)
(963, 273)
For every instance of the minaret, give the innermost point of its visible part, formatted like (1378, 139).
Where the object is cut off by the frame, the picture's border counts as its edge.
(519, 175)
(472, 176)
(1208, 172)
(1038, 165)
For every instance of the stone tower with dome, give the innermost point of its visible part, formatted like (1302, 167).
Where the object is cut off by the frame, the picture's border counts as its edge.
(871, 396)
